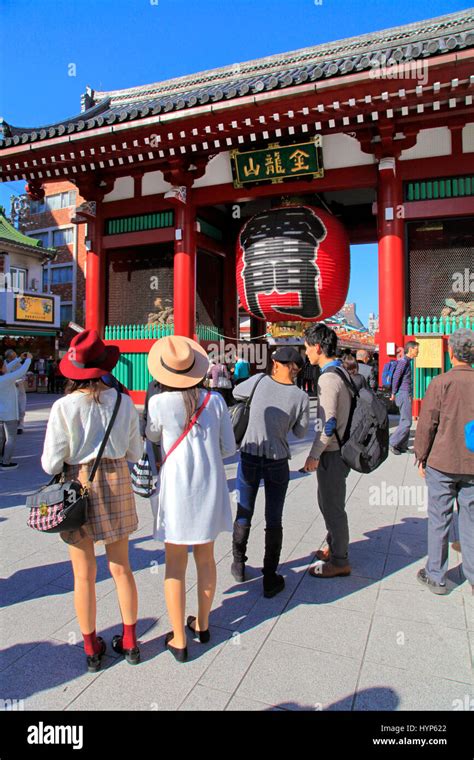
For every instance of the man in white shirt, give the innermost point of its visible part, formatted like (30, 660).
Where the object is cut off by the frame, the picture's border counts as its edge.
(9, 413)
(14, 362)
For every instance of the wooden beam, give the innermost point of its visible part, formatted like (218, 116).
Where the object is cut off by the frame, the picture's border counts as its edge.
(145, 237)
(437, 166)
(334, 179)
(448, 207)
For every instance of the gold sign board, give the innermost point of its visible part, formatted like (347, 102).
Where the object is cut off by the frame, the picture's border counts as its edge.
(277, 162)
(34, 309)
(431, 354)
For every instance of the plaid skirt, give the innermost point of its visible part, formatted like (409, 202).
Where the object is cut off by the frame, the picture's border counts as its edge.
(112, 514)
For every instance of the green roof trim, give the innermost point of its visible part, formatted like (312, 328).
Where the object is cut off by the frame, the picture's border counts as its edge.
(139, 222)
(439, 188)
(25, 333)
(12, 235)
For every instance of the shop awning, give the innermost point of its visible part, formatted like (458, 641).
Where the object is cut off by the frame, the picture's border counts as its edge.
(32, 333)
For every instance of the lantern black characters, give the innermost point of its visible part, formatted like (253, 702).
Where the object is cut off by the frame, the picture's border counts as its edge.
(293, 264)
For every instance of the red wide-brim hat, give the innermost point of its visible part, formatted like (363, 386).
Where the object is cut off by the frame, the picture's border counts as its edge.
(88, 358)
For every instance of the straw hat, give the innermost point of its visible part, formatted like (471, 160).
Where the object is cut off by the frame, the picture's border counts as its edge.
(178, 362)
(88, 358)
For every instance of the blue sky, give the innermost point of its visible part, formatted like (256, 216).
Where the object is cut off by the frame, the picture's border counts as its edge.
(123, 43)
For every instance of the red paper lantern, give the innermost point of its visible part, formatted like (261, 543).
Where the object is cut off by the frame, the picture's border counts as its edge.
(293, 263)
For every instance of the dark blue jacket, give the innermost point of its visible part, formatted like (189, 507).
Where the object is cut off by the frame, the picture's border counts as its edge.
(402, 376)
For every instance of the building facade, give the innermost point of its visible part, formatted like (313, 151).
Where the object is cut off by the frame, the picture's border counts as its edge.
(29, 315)
(50, 220)
(170, 172)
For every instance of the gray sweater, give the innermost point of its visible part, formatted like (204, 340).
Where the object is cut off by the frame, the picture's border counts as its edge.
(276, 410)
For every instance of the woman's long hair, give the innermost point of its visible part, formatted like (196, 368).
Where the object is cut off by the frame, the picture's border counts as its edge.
(190, 398)
(92, 385)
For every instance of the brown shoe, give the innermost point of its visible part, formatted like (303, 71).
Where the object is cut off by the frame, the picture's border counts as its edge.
(328, 570)
(456, 545)
(324, 554)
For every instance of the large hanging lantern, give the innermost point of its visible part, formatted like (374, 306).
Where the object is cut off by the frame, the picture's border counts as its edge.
(293, 263)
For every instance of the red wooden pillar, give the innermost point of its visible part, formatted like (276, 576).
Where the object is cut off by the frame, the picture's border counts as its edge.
(95, 277)
(229, 296)
(184, 295)
(390, 227)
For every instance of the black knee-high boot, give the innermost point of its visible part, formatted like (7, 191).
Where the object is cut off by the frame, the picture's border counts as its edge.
(240, 538)
(272, 582)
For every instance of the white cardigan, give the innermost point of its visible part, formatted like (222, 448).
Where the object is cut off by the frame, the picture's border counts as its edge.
(8, 392)
(77, 425)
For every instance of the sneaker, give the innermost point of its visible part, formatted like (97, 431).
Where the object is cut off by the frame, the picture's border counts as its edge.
(11, 466)
(435, 588)
(395, 450)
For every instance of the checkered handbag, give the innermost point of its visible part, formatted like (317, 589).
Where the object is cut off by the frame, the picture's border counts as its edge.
(142, 476)
(61, 505)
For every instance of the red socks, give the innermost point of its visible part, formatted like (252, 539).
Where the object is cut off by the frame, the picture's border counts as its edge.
(129, 636)
(91, 645)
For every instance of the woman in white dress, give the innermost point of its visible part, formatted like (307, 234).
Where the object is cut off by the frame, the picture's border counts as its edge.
(195, 431)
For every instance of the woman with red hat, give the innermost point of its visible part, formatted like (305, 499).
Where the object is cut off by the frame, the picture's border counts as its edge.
(76, 428)
(195, 431)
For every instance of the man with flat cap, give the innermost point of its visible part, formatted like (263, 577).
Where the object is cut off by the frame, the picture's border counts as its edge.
(278, 407)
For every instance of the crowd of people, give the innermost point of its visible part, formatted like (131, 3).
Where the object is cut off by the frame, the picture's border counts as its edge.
(223, 376)
(187, 423)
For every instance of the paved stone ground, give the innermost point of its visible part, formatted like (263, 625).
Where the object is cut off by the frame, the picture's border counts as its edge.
(374, 641)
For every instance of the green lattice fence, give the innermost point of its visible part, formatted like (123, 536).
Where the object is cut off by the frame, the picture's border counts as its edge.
(438, 325)
(433, 326)
(132, 367)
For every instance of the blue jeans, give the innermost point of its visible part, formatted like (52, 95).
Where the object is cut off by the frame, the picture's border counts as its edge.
(400, 437)
(276, 476)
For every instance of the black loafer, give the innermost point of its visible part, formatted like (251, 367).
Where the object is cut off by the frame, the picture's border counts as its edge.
(94, 660)
(203, 636)
(181, 655)
(132, 656)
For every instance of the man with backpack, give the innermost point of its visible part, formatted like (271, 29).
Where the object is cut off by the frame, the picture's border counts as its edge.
(351, 433)
(334, 407)
(401, 387)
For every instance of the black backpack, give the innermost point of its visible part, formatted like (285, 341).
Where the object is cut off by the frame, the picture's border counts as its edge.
(364, 445)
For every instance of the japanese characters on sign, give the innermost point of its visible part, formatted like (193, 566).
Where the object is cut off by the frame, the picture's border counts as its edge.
(431, 353)
(34, 309)
(277, 163)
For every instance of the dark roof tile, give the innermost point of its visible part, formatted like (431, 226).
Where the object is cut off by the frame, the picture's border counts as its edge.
(420, 40)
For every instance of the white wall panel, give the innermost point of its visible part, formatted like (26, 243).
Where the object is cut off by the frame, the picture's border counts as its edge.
(123, 188)
(430, 142)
